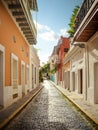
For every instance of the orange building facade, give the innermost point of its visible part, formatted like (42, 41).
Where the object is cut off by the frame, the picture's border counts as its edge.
(14, 59)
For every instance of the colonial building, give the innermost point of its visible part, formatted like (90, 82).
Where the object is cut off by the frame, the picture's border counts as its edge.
(53, 60)
(83, 55)
(34, 68)
(17, 33)
(74, 68)
(56, 60)
(63, 50)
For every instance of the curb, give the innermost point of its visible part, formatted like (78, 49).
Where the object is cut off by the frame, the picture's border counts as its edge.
(7, 120)
(89, 115)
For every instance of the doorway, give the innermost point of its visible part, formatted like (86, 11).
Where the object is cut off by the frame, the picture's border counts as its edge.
(96, 82)
(68, 78)
(32, 76)
(27, 78)
(1, 77)
(14, 74)
(80, 81)
(23, 78)
(73, 81)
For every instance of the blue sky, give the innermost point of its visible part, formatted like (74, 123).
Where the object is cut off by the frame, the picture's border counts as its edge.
(52, 21)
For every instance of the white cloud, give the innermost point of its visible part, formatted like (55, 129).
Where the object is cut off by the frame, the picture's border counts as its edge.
(63, 32)
(42, 27)
(47, 34)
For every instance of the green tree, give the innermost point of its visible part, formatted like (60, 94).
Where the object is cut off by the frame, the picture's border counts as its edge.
(40, 76)
(72, 21)
(44, 71)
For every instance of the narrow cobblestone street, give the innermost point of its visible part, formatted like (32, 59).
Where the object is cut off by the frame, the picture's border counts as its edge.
(50, 111)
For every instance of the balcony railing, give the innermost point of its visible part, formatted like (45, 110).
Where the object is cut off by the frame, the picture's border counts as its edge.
(20, 10)
(26, 6)
(57, 61)
(87, 4)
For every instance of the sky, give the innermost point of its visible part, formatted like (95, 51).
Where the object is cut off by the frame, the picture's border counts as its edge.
(52, 19)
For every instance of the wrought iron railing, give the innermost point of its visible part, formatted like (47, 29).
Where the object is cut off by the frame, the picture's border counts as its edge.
(82, 12)
(26, 5)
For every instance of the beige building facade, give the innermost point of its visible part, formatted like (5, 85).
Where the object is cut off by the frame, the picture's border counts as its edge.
(34, 68)
(83, 54)
(75, 73)
(92, 47)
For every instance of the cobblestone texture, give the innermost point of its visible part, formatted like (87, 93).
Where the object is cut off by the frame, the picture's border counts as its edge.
(50, 111)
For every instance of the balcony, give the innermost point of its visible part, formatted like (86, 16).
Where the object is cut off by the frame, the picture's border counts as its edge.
(20, 11)
(57, 62)
(86, 22)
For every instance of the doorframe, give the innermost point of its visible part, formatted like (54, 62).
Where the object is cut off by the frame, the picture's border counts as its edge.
(73, 80)
(80, 81)
(23, 89)
(2, 49)
(95, 82)
(32, 75)
(27, 77)
(14, 57)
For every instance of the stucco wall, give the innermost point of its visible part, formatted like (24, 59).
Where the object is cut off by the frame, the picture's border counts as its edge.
(77, 64)
(93, 59)
(35, 62)
(8, 33)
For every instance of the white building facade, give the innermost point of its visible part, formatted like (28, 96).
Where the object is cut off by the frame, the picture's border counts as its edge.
(34, 68)
(83, 55)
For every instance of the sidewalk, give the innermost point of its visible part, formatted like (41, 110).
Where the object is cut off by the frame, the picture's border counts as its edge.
(88, 109)
(8, 113)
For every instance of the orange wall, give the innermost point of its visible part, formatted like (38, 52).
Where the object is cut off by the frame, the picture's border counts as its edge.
(8, 29)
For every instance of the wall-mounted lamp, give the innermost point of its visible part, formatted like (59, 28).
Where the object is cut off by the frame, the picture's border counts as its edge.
(81, 45)
(14, 39)
(72, 41)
